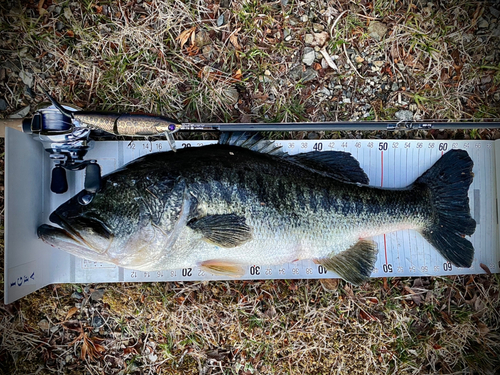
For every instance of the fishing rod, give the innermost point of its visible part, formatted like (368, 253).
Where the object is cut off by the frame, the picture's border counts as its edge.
(67, 133)
(339, 126)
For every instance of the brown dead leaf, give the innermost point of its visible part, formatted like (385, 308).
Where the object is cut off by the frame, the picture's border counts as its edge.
(238, 75)
(483, 328)
(349, 291)
(233, 38)
(320, 39)
(41, 10)
(192, 50)
(71, 312)
(367, 316)
(98, 9)
(185, 35)
(485, 268)
(386, 284)
(446, 317)
(413, 62)
(91, 347)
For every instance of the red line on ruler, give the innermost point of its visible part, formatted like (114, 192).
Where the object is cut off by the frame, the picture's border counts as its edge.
(385, 250)
(382, 184)
(382, 169)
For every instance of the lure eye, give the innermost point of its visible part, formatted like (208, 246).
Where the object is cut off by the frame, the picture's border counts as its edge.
(171, 127)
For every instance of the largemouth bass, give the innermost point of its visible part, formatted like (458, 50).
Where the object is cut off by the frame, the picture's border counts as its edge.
(243, 201)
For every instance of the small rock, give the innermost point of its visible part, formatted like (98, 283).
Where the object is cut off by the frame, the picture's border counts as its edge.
(311, 135)
(202, 38)
(482, 23)
(496, 96)
(22, 113)
(485, 80)
(377, 30)
(267, 73)
(395, 86)
(59, 25)
(299, 74)
(265, 79)
(28, 91)
(308, 39)
(220, 20)
(207, 52)
(3, 105)
(404, 115)
(304, 18)
(67, 13)
(325, 91)
(76, 295)
(494, 12)
(44, 324)
(97, 322)
(231, 95)
(346, 100)
(23, 51)
(379, 63)
(358, 59)
(320, 38)
(309, 56)
(54, 329)
(97, 295)
(287, 36)
(317, 27)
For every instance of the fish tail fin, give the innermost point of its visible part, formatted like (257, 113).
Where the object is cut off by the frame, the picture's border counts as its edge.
(448, 182)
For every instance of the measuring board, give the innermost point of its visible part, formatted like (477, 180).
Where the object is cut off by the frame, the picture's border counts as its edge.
(31, 264)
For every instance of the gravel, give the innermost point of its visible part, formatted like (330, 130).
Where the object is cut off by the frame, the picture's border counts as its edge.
(404, 115)
(309, 56)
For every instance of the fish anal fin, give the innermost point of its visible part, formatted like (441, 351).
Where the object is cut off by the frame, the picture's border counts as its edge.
(355, 264)
(223, 268)
(229, 230)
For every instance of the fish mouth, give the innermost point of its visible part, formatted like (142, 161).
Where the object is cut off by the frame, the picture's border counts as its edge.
(76, 235)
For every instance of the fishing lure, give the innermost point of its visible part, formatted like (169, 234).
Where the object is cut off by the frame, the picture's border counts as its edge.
(124, 124)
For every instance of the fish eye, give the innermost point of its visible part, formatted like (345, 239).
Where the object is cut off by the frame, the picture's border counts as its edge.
(85, 199)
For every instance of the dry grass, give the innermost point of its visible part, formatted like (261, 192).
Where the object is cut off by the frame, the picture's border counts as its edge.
(128, 56)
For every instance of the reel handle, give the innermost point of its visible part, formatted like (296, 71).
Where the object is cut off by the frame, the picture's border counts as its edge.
(59, 182)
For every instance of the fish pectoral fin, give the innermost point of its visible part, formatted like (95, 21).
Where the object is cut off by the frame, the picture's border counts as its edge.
(355, 264)
(223, 268)
(229, 230)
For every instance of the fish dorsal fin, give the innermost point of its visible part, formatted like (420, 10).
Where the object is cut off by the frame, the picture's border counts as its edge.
(337, 164)
(223, 268)
(229, 230)
(355, 264)
(252, 141)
